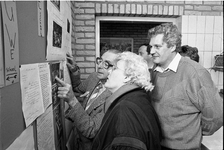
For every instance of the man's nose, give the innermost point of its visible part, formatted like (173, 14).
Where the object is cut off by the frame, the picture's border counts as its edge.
(152, 51)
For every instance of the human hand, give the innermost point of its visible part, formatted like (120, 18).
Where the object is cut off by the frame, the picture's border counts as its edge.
(65, 91)
(86, 94)
(71, 64)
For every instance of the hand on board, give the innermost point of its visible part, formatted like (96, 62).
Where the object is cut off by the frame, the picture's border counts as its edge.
(86, 94)
(65, 91)
(71, 64)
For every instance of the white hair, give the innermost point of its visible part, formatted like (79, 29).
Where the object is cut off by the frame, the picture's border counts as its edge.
(137, 69)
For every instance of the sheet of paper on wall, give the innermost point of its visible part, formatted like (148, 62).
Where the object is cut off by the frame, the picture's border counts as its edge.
(45, 80)
(40, 18)
(2, 80)
(32, 99)
(11, 46)
(25, 141)
(59, 30)
(67, 27)
(45, 130)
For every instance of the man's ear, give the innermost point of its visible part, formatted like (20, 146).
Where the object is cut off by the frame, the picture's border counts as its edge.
(127, 79)
(173, 48)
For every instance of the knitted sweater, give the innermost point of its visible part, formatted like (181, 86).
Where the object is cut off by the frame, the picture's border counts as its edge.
(188, 105)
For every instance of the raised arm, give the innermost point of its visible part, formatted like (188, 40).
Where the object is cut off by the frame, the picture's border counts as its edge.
(86, 124)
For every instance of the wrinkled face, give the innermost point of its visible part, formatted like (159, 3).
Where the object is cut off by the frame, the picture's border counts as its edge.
(142, 51)
(117, 77)
(161, 54)
(102, 72)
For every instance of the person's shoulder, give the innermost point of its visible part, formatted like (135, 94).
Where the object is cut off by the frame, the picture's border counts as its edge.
(136, 97)
(93, 75)
(191, 64)
(191, 67)
(92, 79)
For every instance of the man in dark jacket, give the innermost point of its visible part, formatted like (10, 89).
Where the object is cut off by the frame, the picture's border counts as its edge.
(87, 113)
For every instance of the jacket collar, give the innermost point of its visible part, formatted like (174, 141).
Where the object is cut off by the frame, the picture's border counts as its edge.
(124, 89)
(99, 101)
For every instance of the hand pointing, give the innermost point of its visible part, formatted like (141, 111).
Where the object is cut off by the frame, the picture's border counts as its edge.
(65, 92)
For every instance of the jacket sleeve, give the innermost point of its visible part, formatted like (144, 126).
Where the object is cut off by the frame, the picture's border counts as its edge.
(83, 85)
(75, 76)
(86, 124)
(206, 98)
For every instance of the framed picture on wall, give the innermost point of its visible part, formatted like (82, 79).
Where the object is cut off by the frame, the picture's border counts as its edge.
(122, 44)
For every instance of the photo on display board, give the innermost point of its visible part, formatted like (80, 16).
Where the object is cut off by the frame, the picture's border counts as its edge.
(57, 35)
(56, 4)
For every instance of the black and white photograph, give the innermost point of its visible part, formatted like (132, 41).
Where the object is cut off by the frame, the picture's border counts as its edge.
(56, 4)
(57, 35)
(118, 74)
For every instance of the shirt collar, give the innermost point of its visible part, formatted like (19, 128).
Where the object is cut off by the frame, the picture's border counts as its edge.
(172, 66)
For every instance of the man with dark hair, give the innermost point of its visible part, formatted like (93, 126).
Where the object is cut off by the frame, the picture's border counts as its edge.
(144, 51)
(185, 98)
(191, 52)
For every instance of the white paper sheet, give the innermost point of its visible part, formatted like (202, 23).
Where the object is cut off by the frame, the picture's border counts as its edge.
(32, 100)
(59, 30)
(25, 141)
(45, 81)
(11, 42)
(45, 130)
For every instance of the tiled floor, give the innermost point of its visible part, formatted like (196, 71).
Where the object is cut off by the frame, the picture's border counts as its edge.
(215, 141)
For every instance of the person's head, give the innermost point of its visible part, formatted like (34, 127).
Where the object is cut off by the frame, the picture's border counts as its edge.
(165, 42)
(129, 68)
(144, 51)
(105, 62)
(191, 52)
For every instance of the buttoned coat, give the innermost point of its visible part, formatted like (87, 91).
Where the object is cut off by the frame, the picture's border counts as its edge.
(87, 122)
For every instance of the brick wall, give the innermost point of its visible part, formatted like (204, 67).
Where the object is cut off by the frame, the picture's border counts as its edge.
(84, 13)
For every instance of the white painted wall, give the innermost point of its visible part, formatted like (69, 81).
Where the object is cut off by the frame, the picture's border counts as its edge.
(205, 33)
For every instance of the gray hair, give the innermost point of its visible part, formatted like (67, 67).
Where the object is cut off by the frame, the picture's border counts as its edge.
(137, 69)
(171, 34)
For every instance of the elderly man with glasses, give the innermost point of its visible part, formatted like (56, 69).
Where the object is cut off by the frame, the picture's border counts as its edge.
(87, 113)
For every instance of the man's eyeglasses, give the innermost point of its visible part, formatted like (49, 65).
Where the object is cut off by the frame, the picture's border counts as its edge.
(105, 64)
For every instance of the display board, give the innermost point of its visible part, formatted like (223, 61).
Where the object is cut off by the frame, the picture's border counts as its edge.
(32, 24)
(58, 107)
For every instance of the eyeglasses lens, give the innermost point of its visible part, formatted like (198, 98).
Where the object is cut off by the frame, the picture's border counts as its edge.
(105, 64)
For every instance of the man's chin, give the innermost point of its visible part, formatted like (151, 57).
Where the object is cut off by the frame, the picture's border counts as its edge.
(100, 75)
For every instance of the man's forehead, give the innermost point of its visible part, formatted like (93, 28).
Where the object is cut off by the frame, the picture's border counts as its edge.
(157, 39)
(109, 56)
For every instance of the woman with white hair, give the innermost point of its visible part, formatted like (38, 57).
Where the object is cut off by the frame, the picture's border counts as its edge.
(130, 122)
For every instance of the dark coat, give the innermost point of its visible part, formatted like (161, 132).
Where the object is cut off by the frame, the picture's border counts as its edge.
(130, 122)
